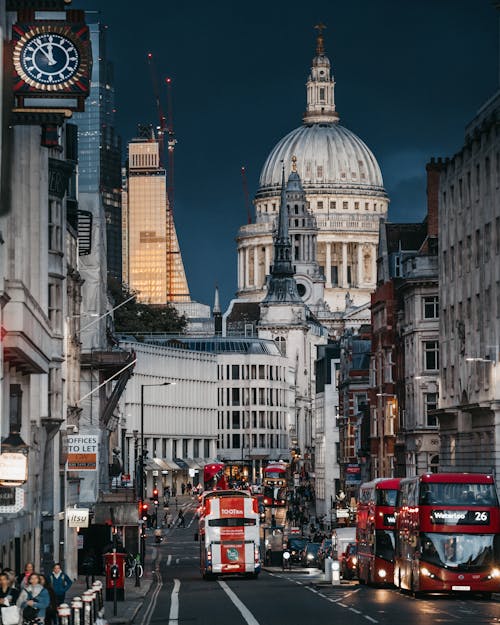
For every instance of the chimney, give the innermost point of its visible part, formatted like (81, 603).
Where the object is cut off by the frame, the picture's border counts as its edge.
(434, 169)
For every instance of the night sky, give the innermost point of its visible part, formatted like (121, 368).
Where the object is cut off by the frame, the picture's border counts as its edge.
(409, 77)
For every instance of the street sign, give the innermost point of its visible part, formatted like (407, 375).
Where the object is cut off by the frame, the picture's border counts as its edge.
(78, 517)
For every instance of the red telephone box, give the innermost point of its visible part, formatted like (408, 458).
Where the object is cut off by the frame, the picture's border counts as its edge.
(114, 564)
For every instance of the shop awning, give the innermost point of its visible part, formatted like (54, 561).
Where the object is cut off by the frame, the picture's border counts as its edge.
(171, 465)
(182, 464)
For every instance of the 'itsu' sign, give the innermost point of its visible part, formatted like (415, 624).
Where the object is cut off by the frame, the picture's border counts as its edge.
(82, 452)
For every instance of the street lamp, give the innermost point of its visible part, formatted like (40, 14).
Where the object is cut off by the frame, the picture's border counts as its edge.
(141, 468)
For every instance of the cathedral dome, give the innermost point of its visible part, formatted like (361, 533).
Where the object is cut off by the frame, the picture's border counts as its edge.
(329, 157)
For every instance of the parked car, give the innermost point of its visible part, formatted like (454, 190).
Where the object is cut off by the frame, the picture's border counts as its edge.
(349, 562)
(309, 556)
(295, 546)
(324, 551)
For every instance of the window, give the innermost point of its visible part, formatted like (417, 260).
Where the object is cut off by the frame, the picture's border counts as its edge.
(335, 275)
(356, 205)
(15, 408)
(431, 307)
(478, 247)
(235, 372)
(397, 267)
(55, 306)
(431, 403)
(206, 448)
(322, 93)
(333, 205)
(55, 227)
(320, 205)
(349, 274)
(431, 355)
(344, 205)
(236, 441)
(185, 442)
(236, 420)
(55, 393)
(235, 396)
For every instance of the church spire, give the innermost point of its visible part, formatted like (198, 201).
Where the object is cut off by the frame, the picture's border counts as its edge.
(282, 287)
(320, 86)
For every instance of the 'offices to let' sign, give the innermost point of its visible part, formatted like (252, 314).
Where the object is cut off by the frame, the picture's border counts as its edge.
(82, 452)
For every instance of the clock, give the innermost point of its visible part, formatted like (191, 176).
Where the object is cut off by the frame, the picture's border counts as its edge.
(49, 59)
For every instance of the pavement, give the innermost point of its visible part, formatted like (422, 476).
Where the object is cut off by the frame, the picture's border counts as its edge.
(127, 610)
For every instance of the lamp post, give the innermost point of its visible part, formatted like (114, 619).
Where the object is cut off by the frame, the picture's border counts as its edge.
(141, 467)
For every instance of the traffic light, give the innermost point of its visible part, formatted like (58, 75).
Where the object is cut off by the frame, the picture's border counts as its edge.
(144, 511)
(155, 496)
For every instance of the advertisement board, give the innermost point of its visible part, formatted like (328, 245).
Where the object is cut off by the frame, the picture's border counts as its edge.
(82, 452)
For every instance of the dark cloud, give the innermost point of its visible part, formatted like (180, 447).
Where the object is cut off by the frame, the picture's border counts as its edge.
(409, 77)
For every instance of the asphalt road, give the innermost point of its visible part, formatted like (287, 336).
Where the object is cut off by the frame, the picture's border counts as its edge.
(180, 596)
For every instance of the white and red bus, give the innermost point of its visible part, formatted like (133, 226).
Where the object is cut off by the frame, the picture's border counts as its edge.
(448, 534)
(375, 530)
(229, 534)
(275, 484)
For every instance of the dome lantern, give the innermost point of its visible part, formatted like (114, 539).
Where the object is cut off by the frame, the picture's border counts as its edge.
(320, 86)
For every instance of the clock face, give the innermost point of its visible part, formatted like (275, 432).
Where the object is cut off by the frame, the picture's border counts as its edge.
(49, 59)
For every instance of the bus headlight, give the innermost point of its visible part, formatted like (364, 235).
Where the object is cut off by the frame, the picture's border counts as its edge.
(382, 573)
(425, 571)
(310, 556)
(495, 573)
(354, 561)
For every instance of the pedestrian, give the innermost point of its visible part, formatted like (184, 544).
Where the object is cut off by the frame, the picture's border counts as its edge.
(33, 601)
(8, 594)
(23, 579)
(183, 488)
(181, 521)
(88, 567)
(60, 582)
(51, 611)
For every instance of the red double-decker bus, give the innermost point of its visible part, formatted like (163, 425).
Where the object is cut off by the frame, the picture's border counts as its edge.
(448, 534)
(214, 476)
(275, 484)
(375, 530)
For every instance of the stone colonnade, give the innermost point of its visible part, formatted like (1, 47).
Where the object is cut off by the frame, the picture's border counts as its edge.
(254, 262)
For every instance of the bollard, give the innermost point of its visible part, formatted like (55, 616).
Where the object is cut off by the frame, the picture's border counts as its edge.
(335, 573)
(97, 585)
(64, 614)
(87, 599)
(95, 604)
(328, 569)
(77, 611)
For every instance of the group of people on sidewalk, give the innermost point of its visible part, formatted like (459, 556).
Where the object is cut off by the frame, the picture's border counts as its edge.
(32, 596)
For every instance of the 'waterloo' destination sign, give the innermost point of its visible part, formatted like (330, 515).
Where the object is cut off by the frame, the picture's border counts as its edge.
(460, 517)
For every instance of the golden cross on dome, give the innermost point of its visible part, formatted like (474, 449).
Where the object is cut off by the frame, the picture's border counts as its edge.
(320, 42)
(294, 163)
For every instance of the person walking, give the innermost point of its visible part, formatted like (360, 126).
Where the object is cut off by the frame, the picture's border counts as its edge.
(181, 521)
(33, 601)
(8, 594)
(60, 582)
(51, 611)
(23, 579)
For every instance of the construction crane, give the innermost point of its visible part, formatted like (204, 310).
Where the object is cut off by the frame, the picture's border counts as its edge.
(166, 128)
(246, 194)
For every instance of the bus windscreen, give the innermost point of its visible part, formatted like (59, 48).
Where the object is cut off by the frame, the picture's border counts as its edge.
(461, 552)
(457, 494)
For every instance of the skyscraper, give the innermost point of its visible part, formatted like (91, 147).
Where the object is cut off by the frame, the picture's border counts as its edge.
(152, 261)
(100, 146)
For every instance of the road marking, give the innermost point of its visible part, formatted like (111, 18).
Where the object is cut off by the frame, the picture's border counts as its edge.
(146, 619)
(369, 618)
(169, 560)
(245, 612)
(343, 605)
(354, 610)
(173, 617)
(312, 590)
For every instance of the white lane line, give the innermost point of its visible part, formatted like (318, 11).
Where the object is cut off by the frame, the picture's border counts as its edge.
(146, 619)
(369, 618)
(343, 605)
(312, 590)
(169, 560)
(355, 611)
(245, 612)
(173, 617)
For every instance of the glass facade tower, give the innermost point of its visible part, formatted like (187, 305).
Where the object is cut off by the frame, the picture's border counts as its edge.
(99, 146)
